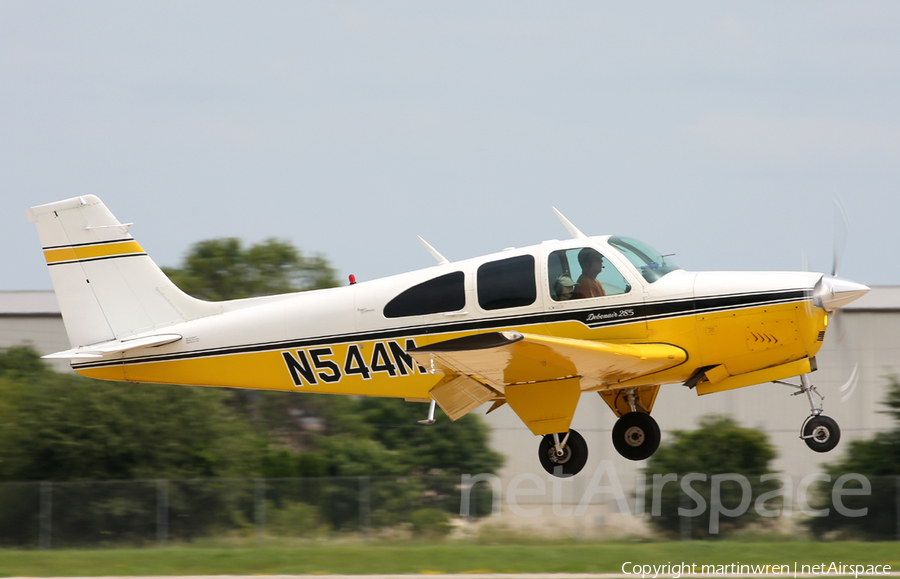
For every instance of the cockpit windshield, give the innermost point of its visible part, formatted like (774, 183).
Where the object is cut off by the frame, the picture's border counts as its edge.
(647, 260)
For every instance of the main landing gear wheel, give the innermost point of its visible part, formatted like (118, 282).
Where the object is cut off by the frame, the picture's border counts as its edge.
(569, 459)
(636, 436)
(821, 433)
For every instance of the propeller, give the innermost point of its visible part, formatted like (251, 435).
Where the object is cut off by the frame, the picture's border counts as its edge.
(834, 292)
(841, 232)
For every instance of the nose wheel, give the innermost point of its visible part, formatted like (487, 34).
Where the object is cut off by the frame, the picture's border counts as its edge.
(821, 433)
(563, 455)
(636, 436)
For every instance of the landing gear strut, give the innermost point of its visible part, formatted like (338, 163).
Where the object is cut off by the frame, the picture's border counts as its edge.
(821, 433)
(563, 455)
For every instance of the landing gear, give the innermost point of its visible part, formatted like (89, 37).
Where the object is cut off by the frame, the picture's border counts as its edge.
(636, 436)
(821, 433)
(563, 455)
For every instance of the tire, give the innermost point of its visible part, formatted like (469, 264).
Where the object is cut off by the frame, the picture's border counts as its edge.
(821, 433)
(636, 436)
(573, 459)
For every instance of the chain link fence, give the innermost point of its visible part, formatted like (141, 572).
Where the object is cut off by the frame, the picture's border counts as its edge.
(96, 513)
(157, 512)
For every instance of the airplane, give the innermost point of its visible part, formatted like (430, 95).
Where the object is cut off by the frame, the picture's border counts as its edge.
(534, 327)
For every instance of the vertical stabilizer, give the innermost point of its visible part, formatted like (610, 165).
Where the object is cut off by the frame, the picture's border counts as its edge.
(107, 286)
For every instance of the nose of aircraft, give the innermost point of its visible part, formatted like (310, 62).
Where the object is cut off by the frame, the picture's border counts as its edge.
(832, 292)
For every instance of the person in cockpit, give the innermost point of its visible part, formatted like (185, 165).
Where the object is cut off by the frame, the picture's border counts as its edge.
(563, 288)
(591, 264)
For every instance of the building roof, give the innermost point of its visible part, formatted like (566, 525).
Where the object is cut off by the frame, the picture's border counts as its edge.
(881, 298)
(29, 303)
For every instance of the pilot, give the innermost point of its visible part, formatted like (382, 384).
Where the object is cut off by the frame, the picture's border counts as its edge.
(563, 288)
(591, 264)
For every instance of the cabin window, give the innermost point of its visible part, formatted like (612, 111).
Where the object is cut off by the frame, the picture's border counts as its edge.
(507, 283)
(446, 293)
(583, 272)
(647, 260)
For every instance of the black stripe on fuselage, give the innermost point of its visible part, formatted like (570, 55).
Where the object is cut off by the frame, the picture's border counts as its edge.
(101, 258)
(590, 317)
(89, 243)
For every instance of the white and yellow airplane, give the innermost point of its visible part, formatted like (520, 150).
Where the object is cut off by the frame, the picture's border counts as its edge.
(533, 328)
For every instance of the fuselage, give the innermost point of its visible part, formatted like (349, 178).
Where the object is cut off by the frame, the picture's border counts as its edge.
(354, 339)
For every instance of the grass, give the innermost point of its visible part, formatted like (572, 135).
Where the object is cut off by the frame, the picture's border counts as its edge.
(445, 557)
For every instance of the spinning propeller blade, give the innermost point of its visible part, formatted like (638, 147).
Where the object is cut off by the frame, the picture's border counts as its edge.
(839, 293)
(841, 232)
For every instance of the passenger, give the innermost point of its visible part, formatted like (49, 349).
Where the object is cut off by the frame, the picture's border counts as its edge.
(563, 288)
(591, 264)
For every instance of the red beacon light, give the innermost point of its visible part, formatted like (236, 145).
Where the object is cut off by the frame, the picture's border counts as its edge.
(352, 279)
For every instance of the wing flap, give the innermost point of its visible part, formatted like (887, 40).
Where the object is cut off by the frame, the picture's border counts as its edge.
(503, 358)
(460, 396)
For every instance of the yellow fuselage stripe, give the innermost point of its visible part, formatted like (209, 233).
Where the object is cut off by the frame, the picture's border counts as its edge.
(91, 251)
(721, 338)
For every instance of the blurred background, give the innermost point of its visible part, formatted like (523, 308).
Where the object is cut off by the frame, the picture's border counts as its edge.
(328, 135)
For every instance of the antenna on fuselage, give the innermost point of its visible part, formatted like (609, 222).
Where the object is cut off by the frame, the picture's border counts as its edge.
(437, 255)
(574, 231)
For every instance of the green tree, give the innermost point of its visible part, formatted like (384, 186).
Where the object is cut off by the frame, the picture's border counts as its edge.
(408, 466)
(66, 428)
(223, 269)
(878, 460)
(443, 451)
(444, 448)
(719, 446)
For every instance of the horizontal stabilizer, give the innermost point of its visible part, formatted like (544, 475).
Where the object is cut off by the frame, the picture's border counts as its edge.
(114, 347)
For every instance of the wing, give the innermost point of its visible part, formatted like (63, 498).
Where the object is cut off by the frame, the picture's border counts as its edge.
(541, 377)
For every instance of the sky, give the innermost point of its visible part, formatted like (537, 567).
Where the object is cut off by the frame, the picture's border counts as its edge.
(720, 132)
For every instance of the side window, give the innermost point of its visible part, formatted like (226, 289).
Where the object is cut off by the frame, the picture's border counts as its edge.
(507, 283)
(581, 273)
(446, 293)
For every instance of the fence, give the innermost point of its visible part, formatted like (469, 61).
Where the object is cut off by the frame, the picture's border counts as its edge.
(65, 514)
(156, 512)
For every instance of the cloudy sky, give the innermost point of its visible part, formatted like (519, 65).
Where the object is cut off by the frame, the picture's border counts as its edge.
(716, 131)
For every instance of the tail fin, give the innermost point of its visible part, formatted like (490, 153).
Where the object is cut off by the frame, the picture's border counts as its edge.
(107, 286)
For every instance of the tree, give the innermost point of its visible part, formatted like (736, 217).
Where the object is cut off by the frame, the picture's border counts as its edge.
(878, 460)
(444, 451)
(719, 446)
(410, 466)
(444, 448)
(66, 428)
(222, 269)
